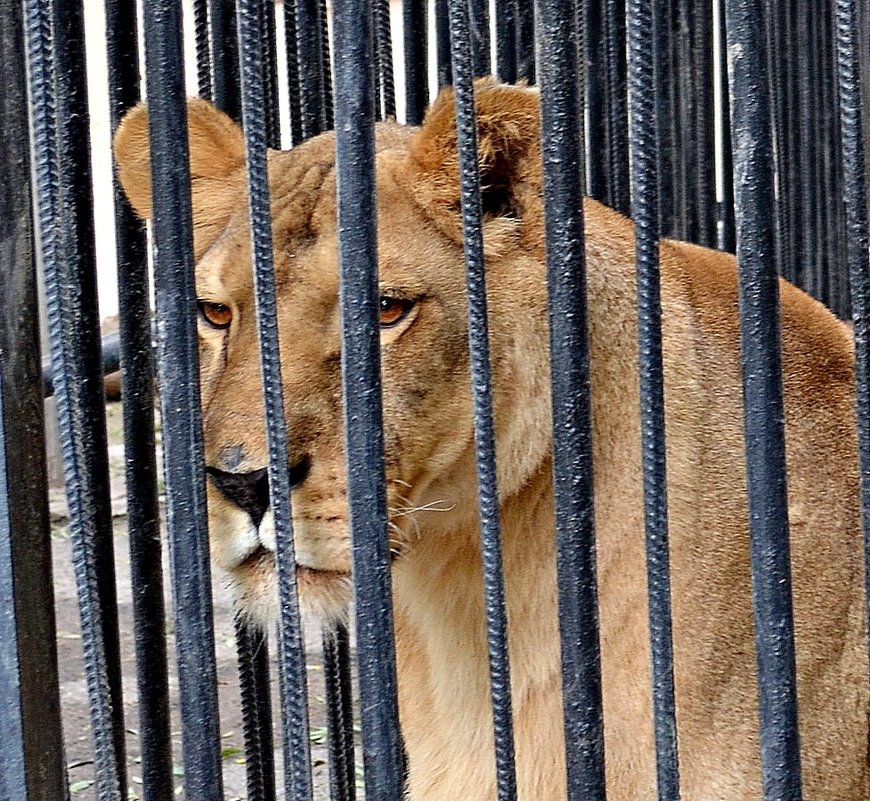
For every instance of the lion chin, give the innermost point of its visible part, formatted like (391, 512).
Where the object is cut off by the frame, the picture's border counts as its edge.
(324, 595)
(428, 434)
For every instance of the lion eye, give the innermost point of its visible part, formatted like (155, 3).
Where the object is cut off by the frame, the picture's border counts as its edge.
(217, 315)
(394, 310)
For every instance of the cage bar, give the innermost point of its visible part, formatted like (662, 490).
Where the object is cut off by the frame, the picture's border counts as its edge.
(178, 363)
(563, 161)
(339, 712)
(137, 378)
(361, 386)
(67, 248)
(297, 758)
(416, 41)
(461, 44)
(225, 57)
(855, 205)
(31, 744)
(645, 212)
(762, 397)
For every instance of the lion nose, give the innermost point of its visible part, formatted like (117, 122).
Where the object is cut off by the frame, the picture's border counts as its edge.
(250, 491)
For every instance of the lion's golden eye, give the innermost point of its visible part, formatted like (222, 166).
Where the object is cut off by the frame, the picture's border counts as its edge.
(394, 310)
(217, 315)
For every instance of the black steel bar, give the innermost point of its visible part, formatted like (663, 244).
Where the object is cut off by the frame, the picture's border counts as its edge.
(805, 247)
(777, 54)
(309, 48)
(178, 364)
(442, 44)
(111, 352)
(727, 224)
(297, 758)
(137, 378)
(563, 160)
(62, 154)
(665, 103)
(526, 42)
(263, 698)
(596, 101)
(268, 36)
(291, 44)
(484, 435)
(506, 40)
(384, 44)
(339, 714)
(326, 61)
(645, 212)
(203, 48)
(256, 712)
(703, 160)
(31, 757)
(686, 83)
(852, 114)
(416, 41)
(225, 57)
(478, 21)
(363, 419)
(617, 117)
(762, 394)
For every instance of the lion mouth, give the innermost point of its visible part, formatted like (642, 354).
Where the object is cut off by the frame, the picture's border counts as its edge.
(264, 558)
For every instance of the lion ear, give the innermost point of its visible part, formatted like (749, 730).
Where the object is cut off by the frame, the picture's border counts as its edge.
(508, 144)
(217, 156)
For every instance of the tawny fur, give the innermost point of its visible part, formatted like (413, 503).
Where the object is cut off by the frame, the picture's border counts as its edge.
(440, 633)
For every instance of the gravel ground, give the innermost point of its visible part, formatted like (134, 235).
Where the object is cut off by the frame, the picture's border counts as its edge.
(74, 702)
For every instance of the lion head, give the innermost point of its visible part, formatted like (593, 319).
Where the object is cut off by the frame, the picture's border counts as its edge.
(428, 421)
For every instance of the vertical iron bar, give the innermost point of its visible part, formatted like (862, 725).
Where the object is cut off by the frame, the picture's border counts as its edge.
(310, 54)
(506, 40)
(325, 59)
(256, 711)
(416, 39)
(294, 91)
(703, 160)
(363, 418)
(66, 235)
(855, 203)
(297, 759)
(478, 21)
(225, 55)
(203, 48)
(596, 101)
(762, 396)
(665, 104)
(137, 378)
(270, 74)
(442, 42)
(727, 225)
(617, 106)
(645, 211)
(384, 44)
(339, 712)
(526, 42)
(178, 365)
(562, 150)
(484, 435)
(31, 756)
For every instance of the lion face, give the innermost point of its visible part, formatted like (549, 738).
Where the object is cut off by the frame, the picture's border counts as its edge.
(428, 421)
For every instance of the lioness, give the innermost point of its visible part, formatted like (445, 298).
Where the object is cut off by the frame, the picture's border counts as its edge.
(440, 637)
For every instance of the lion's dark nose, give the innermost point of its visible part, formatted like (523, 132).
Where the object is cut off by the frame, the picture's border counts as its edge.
(250, 491)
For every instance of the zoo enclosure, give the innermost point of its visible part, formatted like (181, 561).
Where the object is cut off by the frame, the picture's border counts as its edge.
(642, 90)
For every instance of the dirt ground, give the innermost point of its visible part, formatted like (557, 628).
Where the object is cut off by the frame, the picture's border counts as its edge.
(74, 701)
